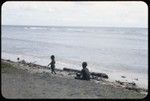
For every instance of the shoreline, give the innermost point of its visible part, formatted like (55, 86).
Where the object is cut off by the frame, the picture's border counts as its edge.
(140, 79)
(34, 69)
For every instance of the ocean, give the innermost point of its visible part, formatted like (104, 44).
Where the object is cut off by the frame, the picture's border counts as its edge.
(114, 51)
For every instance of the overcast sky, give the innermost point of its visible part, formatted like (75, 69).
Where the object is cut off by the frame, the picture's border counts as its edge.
(107, 14)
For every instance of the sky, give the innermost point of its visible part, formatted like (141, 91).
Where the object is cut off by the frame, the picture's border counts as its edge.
(76, 13)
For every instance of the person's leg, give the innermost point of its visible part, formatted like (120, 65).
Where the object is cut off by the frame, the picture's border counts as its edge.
(78, 76)
(54, 72)
(53, 69)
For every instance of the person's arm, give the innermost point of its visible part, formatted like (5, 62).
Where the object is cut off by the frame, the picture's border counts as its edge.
(49, 64)
(81, 74)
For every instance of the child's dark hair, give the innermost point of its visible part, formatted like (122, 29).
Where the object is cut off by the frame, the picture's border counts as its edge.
(84, 64)
(52, 56)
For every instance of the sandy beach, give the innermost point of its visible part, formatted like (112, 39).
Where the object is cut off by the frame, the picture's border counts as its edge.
(29, 82)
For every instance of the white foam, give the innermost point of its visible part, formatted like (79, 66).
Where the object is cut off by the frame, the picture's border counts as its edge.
(34, 28)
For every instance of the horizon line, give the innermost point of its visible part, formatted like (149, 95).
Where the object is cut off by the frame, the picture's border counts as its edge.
(70, 26)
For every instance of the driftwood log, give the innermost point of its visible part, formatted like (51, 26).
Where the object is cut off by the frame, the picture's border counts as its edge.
(70, 70)
(93, 74)
(103, 75)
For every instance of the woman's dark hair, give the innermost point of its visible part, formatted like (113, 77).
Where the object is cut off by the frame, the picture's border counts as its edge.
(84, 64)
(52, 56)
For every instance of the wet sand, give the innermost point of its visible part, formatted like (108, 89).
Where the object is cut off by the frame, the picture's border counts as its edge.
(24, 82)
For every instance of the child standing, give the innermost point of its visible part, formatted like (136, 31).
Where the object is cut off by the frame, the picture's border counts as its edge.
(52, 63)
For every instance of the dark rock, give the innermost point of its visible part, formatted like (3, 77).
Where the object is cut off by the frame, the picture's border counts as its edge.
(8, 60)
(103, 75)
(123, 76)
(126, 83)
(121, 83)
(133, 88)
(132, 83)
(136, 79)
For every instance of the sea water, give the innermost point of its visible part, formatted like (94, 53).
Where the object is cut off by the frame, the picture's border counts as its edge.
(114, 51)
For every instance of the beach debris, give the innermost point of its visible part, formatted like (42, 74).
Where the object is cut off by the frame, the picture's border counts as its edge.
(132, 83)
(136, 79)
(132, 88)
(123, 76)
(121, 83)
(8, 60)
(129, 85)
(135, 88)
(126, 83)
(103, 75)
